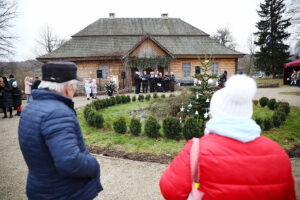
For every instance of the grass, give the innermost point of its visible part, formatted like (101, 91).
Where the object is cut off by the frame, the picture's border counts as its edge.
(291, 93)
(287, 135)
(270, 80)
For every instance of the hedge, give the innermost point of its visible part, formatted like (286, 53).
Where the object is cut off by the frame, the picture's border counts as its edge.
(192, 128)
(172, 128)
(152, 127)
(135, 126)
(120, 125)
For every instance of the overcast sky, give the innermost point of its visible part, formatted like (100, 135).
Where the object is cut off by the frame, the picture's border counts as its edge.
(67, 17)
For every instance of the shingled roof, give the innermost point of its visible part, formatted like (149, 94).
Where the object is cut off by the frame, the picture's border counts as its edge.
(117, 36)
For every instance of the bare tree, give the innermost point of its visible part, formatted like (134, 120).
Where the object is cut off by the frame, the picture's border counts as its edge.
(294, 13)
(7, 14)
(224, 37)
(251, 47)
(48, 41)
(297, 50)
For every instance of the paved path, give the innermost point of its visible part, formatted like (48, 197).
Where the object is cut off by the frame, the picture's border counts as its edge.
(121, 179)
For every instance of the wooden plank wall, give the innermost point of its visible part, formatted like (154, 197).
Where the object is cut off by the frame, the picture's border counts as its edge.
(148, 49)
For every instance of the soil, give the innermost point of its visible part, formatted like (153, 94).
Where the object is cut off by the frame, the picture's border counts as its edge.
(294, 152)
(146, 157)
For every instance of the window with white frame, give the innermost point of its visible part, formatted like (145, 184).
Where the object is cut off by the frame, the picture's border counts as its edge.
(215, 68)
(186, 70)
(105, 71)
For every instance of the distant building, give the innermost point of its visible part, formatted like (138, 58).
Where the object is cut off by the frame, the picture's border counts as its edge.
(110, 43)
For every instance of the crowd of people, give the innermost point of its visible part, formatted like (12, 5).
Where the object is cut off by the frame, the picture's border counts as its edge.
(11, 94)
(156, 81)
(295, 78)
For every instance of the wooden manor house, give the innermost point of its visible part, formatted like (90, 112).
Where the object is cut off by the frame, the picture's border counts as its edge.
(117, 47)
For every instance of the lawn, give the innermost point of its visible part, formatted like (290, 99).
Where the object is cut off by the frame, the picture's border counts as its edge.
(291, 93)
(287, 135)
(270, 80)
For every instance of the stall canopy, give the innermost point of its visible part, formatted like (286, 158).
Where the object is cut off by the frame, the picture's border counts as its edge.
(288, 69)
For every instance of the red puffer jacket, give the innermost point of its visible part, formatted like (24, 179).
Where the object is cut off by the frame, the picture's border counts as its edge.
(232, 170)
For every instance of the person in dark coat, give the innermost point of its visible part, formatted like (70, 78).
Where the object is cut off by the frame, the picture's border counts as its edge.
(152, 81)
(166, 81)
(59, 163)
(17, 98)
(138, 80)
(159, 82)
(172, 82)
(7, 100)
(145, 79)
(36, 83)
(11, 79)
(223, 79)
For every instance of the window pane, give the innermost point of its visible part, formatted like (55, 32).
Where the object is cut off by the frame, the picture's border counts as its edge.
(105, 71)
(215, 68)
(186, 69)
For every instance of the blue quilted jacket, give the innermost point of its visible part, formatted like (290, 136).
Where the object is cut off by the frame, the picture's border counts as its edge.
(60, 166)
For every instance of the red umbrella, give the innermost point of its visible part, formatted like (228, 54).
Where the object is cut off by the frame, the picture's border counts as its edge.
(295, 63)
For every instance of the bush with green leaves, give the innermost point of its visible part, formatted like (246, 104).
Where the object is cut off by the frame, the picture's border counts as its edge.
(87, 109)
(94, 118)
(128, 99)
(260, 122)
(268, 124)
(133, 99)
(284, 107)
(120, 125)
(141, 97)
(255, 102)
(135, 126)
(192, 128)
(124, 98)
(271, 104)
(148, 97)
(263, 101)
(163, 96)
(152, 127)
(155, 95)
(118, 99)
(281, 114)
(172, 95)
(97, 104)
(113, 101)
(276, 120)
(172, 128)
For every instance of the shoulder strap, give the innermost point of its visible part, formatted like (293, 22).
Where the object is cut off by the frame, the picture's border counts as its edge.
(194, 156)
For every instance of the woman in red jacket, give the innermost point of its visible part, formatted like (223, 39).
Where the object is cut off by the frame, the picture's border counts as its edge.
(235, 162)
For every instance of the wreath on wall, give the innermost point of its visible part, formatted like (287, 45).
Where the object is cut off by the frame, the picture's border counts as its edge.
(146, 63)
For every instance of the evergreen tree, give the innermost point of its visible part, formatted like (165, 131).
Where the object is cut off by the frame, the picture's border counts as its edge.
(204, 87)
(271, 35)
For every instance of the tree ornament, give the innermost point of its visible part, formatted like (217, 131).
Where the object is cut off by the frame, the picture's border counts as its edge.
(190, 105)
(197, 95)
(207, 100)
(217, 84)
(196, 113)
(205, 115)
(210, 81)
(199, 82)
(182, 109)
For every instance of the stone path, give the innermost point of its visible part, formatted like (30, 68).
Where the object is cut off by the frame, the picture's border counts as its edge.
(121, 179)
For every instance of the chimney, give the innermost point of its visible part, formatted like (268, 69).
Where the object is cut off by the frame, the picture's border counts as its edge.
(112, 15)
(164, 15)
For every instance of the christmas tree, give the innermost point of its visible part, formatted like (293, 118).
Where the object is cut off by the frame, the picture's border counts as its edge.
(205, 84)
(271, 35)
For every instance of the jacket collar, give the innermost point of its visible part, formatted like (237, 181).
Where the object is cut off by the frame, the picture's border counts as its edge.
(45, 94)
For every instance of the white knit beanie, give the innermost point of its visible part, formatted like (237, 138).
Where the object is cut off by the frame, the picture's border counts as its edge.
(235, 99)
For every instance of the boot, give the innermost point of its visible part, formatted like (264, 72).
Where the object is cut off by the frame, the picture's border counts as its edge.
(5, 116)
(10, 116)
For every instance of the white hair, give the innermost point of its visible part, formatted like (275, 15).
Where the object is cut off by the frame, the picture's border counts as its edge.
(57, 87)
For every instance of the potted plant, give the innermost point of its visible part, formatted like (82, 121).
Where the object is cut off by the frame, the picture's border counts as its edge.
(110, 88)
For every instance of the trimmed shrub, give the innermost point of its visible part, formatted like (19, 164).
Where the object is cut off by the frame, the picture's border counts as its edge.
(98, 104)
(95, 119)
(259, 122)
(133, 99)
(148, 97)
(163, 96)
(108, 102)
(155, 95)
(135, 126)
(263, 101)
(271, 104)
(172, 95)
(128, 99)
(268, 124)
(113, 101)
(104, 103)
(141, 97)
(255, 102)
(172, 128)
(281, 114)
(120, 125)
(119, 99)
(152, 127)
(192, 128)
(87, 110)
(284, 107)
(124, 98)
(276, 120)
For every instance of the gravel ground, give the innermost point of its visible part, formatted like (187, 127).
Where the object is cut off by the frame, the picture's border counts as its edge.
(121, 179)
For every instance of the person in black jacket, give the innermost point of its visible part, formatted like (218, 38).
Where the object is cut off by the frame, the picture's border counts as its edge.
(7, 100)
(17, 98)
(172, 82)
(36, 83)
(138, 80)
(223, 79)
(145, 79)
(152, 82)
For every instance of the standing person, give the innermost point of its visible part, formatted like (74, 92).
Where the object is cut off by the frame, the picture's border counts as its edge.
(36, 83)
(59, 163)
(94, 88)
(223, 79)
(293, 78)
(234, 161)
(172, 82)
(166, 84)
(11, 79)
(7, 99)
(17, 98)
(159, 81)
(145, 79)
(152, 82)
(88, 88)
(1, 92)
(138, 80)
(28, 85)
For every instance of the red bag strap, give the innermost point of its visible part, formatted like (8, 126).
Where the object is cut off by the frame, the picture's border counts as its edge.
(194, 159)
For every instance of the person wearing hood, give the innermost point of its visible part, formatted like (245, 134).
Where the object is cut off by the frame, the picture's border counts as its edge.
(59, 163)
(17, 98)
(234, 161)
